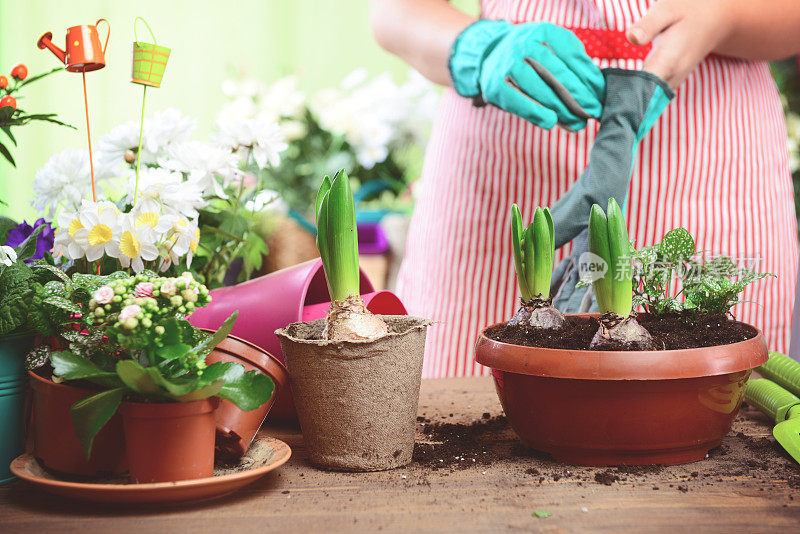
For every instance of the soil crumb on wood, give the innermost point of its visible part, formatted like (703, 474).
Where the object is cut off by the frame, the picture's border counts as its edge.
(670, 331)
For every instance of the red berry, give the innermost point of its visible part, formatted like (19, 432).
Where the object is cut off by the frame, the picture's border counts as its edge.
(8, 101)
(3, 82)
(20, 72)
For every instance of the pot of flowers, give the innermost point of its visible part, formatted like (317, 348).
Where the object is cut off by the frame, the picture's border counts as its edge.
(152, 368)
(355, 376)
(236, 427)
(661, 387)
(22, 316)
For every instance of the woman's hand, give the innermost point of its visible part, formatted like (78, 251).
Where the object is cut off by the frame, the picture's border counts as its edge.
(537, 71)
(683, 33)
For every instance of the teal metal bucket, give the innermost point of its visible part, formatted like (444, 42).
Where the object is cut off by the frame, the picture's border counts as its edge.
(12, 400)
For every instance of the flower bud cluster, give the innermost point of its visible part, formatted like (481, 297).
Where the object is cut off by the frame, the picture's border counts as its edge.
(133, 307)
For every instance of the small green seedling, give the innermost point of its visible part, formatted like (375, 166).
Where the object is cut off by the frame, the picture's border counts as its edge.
(534, 249)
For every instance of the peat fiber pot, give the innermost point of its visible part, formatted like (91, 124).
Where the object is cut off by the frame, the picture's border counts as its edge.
(55, 442)
(621, 407)
(236, 428)
(12, 400)
(170, 441)
(357, 400)
(297, 293)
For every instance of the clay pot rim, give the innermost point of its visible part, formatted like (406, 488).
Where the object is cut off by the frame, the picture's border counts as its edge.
(621, 365)
(40, 382)
(421, 322)
(229, 345)
(158, 410)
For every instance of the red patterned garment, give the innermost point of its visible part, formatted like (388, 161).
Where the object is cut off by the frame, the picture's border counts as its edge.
(715, 163)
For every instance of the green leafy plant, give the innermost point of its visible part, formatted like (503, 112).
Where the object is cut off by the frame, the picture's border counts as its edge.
(135, 344)
(670, 277)
(26, 306)
(12, 116)
(608, 241)
(534, 249)
(337, 242)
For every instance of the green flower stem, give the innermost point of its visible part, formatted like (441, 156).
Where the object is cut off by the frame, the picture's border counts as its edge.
(139, 151)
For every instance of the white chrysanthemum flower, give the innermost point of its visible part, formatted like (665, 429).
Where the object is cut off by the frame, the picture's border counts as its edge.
(164, 191)
(65, 244)
(100, 230)
(374, 116)
(251, 99)
(7, 255)
(281, 100)
(120, 145)
(65, 180)
(266, 198)
(137, 244)
(168, 127)
(263, 138)
(211, 167)
(183, 241)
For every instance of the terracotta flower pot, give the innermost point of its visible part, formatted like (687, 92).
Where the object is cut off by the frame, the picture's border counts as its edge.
(170, 441)
(236, 428)
(357, 401)
(615, 407)
(292, 294)
(55, 442)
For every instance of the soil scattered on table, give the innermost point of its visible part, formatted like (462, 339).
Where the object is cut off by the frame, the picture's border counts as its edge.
(670, 331)
(490, 443)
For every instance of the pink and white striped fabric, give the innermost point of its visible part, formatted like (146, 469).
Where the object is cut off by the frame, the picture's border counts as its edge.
(715, 163)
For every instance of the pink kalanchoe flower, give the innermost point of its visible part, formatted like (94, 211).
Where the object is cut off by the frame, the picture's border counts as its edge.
(143, 289)
(132, 310)
(103, 295)
(168, 287)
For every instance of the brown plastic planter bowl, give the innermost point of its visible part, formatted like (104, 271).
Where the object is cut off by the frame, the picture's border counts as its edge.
(168, 442)
(236, 428)
(611, 408)
(55, 442)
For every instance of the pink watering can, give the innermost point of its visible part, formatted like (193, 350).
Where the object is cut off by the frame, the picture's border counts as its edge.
(270, 302)
(83, 51)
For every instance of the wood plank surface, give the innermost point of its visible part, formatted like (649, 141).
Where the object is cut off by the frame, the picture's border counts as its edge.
(747, 484)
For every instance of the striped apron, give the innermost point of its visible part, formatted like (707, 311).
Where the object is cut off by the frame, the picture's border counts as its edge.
(715, 163)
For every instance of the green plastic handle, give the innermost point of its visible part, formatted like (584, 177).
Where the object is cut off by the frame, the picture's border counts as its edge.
(782, 370)
(770, 398)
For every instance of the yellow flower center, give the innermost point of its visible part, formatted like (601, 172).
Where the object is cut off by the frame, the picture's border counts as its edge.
(99, 234)
(128, 245)
(74, 226)
(193, 244)
(149, 218)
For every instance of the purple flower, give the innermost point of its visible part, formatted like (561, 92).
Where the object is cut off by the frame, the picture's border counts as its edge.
(44, 241)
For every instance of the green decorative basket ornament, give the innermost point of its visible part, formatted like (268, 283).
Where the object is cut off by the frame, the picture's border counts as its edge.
(149, 63)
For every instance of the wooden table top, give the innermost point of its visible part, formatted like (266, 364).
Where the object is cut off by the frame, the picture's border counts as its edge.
(746, 484)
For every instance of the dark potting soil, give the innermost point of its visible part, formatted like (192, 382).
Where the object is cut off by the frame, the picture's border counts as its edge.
(670, 331)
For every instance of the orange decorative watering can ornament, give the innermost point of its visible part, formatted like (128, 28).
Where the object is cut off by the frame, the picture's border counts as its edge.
(83, 54)
(83, 51)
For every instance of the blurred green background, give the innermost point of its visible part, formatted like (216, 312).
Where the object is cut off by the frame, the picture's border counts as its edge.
(319, 41)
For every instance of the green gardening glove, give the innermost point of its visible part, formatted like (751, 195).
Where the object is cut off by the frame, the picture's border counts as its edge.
(536, 70)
